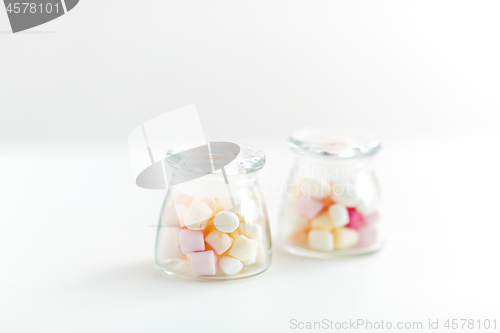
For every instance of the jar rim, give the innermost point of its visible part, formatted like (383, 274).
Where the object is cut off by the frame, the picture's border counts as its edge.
(331, 143)
(246, 159)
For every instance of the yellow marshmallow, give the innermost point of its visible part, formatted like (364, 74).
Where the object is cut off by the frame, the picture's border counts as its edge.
(322, 222)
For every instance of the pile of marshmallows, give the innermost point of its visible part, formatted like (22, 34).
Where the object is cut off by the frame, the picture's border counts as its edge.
(332, 217)
(212, 234)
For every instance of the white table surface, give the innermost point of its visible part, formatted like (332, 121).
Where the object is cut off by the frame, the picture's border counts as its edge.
(77, 238)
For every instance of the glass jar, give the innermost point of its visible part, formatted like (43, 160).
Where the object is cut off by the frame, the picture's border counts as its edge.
(214, 225)
(331, 201)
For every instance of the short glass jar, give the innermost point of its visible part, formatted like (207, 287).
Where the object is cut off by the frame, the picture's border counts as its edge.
(331, 201)
(214, 226)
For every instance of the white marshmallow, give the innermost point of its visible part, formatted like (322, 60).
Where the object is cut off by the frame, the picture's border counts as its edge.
(220, 242)
(180, 198)
(230, 265)
(247, 210)
(238, 209)
(251, 260)
(184, 267)
(226, 221)
(224, 203)
(168, 249)
(243, 248)
(173, 215)
(321, 240)
(252, 214)
(339, 215)
(258, 257)
(210, 202)
(296, 222)
(345, 194)
(345, 238)
(367, 193)
(261, 254)
(251, 230)
(366, 206)
(197, 216)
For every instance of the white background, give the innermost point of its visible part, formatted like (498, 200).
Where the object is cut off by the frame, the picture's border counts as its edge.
(77, 236)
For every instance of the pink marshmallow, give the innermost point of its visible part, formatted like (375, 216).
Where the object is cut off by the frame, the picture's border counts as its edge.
(308, 208)
(191, 241)
(177, 232)
(371, 219)
(355, 218)
(204, 263)
(368, 236)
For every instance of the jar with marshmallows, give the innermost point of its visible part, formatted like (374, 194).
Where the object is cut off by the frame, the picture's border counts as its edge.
(213, 224)
(331, 201)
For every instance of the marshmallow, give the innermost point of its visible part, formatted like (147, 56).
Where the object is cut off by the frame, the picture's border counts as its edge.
(235, 234)
(251, 260)
(261, 254)
(177, 232)
(299, 223)
(345, 194)
(230, 265)
(224, 204)
(173, 215)
(258, 257)
(262, 220)
(219, 241)
(368, 236)
(327, 201)
(295, 221)
(247, 211)
(339, 215)
(345, 238)
(322, 222)
(316, 188)
(251, 230)
(294, 189)
(308, 208)
(251, 214)
(355, 219)
(218, 207)
(243, 248)
(184, 267)
(371, 219)
(197, 215)
(204, 263)
(298, 237)
(180, 198)
(238, 209)
(321, 240)
(191, 241)
(208, 247)
(209, 227)
(366, 206)
(209, 202)
(168, 249)
(367, 193)
(226, 221)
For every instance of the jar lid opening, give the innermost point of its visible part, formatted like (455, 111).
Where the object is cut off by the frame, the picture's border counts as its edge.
(332, 143)
(201, 158)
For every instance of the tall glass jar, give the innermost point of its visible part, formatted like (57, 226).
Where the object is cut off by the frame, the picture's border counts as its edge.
(214, 226)
(331, 200)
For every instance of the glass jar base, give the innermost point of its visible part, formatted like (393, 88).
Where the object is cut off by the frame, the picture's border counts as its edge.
(308, 253)
(173, 271)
